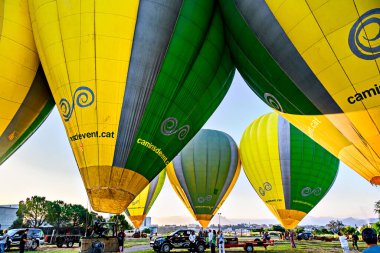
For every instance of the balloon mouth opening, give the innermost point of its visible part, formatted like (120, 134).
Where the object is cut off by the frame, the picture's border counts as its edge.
(137, 220)
(111, 189)
(290, 218)
(375, 180)
(203, 219)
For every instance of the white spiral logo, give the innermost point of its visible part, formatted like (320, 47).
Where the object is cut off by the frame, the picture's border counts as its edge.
(169, 127)
(272, 101)
(307, 191)
(202, 199)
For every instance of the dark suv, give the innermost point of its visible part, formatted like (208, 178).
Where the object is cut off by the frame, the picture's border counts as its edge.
(177, 240)
(14, 236)
(305, 236)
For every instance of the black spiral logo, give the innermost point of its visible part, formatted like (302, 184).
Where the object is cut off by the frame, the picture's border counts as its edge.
(363, 46)
(169, 127)
(266, 187)
(307, 191)
(83, 97)
(273, 102)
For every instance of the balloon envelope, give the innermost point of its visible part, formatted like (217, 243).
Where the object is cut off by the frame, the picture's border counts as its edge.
(317, 62)
(134, 81)
(204, 173)
(288, 170)
(25, 99)
(140, 206)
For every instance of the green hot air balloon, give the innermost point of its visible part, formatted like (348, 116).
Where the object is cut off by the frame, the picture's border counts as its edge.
(289, 171)
(204, 173)
(134, 81)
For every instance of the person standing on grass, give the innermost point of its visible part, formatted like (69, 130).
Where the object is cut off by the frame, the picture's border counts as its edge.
(213, 241)
(192, 238)
(120, 240)
(210, 236)
(3, 240)
(355, 239)
(343, 242)
(23, 240)
(221, 242)
(292, 236)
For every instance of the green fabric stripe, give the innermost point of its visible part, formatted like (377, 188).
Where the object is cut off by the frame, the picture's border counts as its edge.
(259, 69)
(194, 78)
(313, 171)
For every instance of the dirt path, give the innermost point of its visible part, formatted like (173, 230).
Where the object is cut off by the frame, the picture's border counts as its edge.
(137, 248)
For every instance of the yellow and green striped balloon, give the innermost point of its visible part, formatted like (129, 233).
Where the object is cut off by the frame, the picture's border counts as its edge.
(289, 171)
(25, 99)
(134, 81)
(204, 173)
(317, 62)
(140, 206)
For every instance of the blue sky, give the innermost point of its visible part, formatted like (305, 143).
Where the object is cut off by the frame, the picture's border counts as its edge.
(45, 166)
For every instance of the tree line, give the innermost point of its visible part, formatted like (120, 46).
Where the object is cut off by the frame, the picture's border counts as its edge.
(36, 211)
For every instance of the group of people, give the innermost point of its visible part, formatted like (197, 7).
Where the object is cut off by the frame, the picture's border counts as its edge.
(213, 239)
(369, 236)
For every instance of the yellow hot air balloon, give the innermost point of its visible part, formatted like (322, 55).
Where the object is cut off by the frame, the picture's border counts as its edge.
(134, 82)
(204, 173)
(25, 99)
(140, 206)
(317, 62)
(289, 171)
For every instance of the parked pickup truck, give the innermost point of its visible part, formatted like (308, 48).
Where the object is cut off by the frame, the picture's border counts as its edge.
(247, 245)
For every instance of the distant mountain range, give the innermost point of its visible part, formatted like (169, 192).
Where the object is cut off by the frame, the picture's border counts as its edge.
(319, 221)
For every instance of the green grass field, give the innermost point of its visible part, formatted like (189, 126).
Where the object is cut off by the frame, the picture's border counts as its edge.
(284, 247)
(280, 247)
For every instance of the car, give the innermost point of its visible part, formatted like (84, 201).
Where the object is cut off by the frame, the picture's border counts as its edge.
(13, 237)
(177, 240)
(305, 236)
(139, 234)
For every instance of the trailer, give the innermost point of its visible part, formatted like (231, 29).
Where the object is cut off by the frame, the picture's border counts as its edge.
(64, 236)
(248, 246)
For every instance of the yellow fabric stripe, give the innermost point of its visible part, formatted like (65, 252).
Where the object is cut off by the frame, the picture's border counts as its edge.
(260, 158)
(138, 204)
(177, 188)
(80, 48)
(18, 58)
